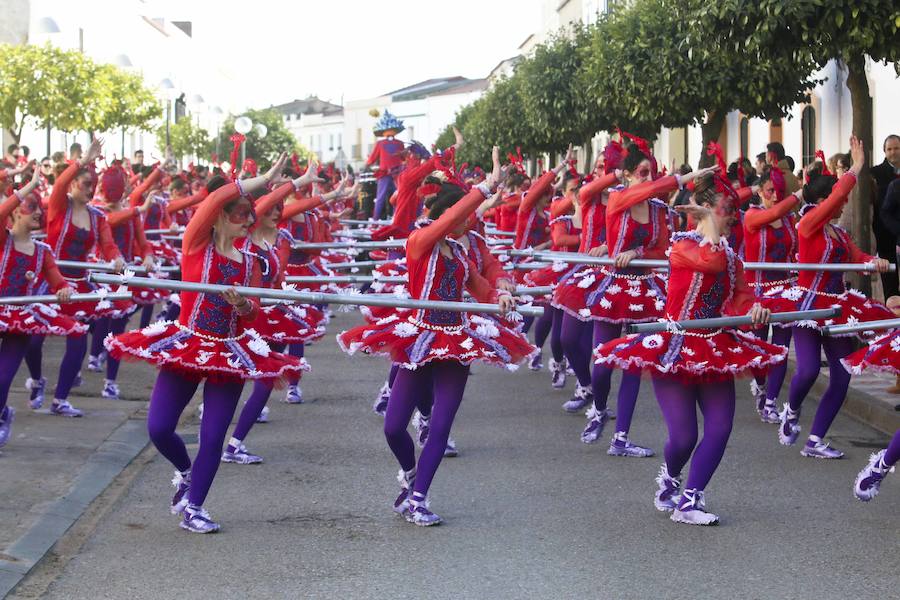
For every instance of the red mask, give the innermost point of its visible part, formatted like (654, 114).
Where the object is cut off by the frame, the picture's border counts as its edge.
(242, 214)
(645, 172)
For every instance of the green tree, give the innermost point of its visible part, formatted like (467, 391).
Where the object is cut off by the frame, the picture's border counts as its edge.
(120, 100)
(447, 138)
(278, 138)
(830, 29)
(186, 139)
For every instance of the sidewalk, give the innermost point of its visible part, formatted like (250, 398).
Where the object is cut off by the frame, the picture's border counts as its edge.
(54, 467)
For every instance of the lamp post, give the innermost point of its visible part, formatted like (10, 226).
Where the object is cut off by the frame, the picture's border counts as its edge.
(123, 62)
(47, 26)
(169, 89)
(217, 117)
(243, 125)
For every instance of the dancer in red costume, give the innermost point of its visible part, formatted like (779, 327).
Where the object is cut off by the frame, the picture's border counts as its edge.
(26, 267)
(821, 241)
(211, 342)
(436, 347)
(697, 367)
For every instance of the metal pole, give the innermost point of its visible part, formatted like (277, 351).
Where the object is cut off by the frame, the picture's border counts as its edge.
(48, 138)
(862, 326)
(52, 299)
(98, 266)
(349, 245)
(719, 322)
(168, 118)
(364, 222)
(362, 264)
(309, 297)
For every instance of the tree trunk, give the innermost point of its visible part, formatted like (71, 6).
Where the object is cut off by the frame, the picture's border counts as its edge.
(711, 130)
(863, 196)
(588, 155)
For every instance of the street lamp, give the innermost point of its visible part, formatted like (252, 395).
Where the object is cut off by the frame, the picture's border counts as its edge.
(217, 117)
(169, 88)
(124, 62)
(243, 125)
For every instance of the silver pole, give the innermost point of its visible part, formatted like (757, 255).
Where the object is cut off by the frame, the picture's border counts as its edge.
(862, 326)
(98, 266)
(343, 279)
(349, 245)
(526, 266)
(160, 231)
(52, 299)
(718, 322)
(362, 222)
(309, 297)
(361, 264)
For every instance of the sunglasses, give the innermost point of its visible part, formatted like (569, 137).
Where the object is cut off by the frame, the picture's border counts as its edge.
(46, 166)
(241, 215)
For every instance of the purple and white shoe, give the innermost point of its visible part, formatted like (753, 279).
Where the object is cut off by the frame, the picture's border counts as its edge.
(95, 363)
(769, 412)
(692, 509)
(263, 415)
(6, 420)
(537, 361)
(197, 520)
(36, 387)
(597, 420)
(381, 402)
(759, 395)
(557, 374)
(62, 408)
(450, 451)
(789, 426)
(419, 513)
(817, 448)
(669, 492)
(582, 397)
(620, 446)
(236, 452)
(868, 482)
(182, 483)
(401, 504)
(421, 425)
(110, 389)
(294, 395)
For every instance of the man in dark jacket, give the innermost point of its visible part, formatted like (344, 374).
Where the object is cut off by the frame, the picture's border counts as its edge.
(886, 239)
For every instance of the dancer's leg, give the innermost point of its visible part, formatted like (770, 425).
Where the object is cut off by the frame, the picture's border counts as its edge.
(170, 396)
(219, 401)
(717, 402)
(836, 348)
(404, 393)
(678, 403)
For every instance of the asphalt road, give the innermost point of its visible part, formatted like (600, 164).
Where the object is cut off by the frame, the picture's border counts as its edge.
(530, 511)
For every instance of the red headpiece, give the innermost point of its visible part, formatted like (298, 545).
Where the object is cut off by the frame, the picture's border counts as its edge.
(517, 161)
(821, 156)
(113, 182)
(613, 155)
(428, 189)
(295, 163)
(777, 178)
(250, 167)
(237, 139)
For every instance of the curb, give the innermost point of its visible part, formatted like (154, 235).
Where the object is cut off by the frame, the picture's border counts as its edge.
(111, 457)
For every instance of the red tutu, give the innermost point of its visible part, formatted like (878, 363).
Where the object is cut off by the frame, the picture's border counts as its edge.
(412, 343)
(691, 357)
(395, 268)
(38, 319)
(855, 306)
(313, 268)
(164, 252)
(175, 346)
(290, 324)
(549, 275)
(87, 312)
(881, 354)
(599, 294)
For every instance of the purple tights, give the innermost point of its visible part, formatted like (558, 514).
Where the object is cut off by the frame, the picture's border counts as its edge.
(678, 401)
(556, 346)
(385, 187)
(776, 374)
(146, 315)
(12, 351)
(170, 396)
(809, 344)
(575, 336)
(253, 407)
(601, 375)
(893, 450)
(76, 348)
(116, 326)
(34, 356)
(297, 350)
(542, 328)
(99, 329)
(448, 381)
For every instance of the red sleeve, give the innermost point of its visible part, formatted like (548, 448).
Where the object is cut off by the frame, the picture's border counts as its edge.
(493, 268)
(561, 238)
(59, 197)
(118, 217)
(423, 240)
(140, 238)
(6, 209)
(479, 287)
(560, 207)
(198, 233)
(136, 197)
(265, 203)
(376, 154)
(621, 201)
(283, 250)
(304, 204)
(108, 248)
(536, 192)
(857, 255)
(407, 206)
(754, 220)
(591, 192)
(52, 275)
(255, 281)
(186, 202)
(819, 216)
(743, 298)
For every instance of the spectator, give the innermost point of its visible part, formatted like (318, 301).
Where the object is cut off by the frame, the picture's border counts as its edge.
(775, 155)
(58, 157)
(138, 163)
(761, 165)
(24, 153)
(10, 158)
(75, 152)
(750, 175)
(885, 241)
(47, 169)
(839, 164)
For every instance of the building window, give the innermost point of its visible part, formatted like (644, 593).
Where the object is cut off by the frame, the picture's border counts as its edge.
(808, 133)
(744, 135)
(776, 133)
(340, 141)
